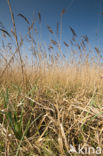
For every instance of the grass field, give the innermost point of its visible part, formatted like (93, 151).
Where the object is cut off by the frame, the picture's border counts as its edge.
(51, 102)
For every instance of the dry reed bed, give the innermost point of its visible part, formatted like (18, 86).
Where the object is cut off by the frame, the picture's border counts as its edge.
(50, 102)
(61, 106)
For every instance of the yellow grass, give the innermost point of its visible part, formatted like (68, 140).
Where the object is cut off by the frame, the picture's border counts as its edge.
(47, 105)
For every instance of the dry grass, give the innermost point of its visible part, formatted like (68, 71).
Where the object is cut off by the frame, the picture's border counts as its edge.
(52, 109)
(51, 102)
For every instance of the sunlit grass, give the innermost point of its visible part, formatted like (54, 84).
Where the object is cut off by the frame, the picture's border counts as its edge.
(50, 101)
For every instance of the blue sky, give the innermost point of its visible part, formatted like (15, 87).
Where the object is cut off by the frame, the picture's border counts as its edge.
(83, 15)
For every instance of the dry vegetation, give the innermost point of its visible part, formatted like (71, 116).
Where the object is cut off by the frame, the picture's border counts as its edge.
(52, 101)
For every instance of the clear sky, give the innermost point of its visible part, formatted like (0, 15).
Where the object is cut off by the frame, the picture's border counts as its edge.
(83, 15)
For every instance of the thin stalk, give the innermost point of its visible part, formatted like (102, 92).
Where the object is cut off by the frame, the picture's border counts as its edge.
(16, 38)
